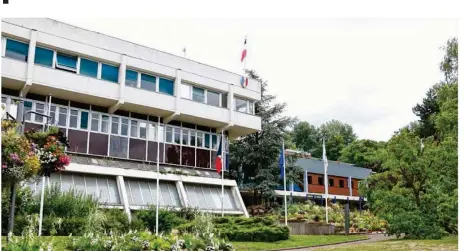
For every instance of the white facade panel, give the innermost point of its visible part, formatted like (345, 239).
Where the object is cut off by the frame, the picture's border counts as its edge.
(150, 99)
(200, 110)
(246, 120)
(14, 69)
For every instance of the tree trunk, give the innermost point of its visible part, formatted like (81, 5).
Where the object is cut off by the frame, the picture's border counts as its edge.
(12, 207)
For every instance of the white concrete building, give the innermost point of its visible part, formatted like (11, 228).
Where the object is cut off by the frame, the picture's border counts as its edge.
(108, 95)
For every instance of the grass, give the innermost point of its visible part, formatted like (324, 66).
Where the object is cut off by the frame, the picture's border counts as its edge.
(448, 243)
(296, 241)
(60, 242)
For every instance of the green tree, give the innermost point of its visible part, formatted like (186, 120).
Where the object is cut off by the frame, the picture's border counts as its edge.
(362, 153)
(305, 136)
(254, 158)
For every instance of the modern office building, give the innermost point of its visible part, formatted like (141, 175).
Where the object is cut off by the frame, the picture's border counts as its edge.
(117, 101)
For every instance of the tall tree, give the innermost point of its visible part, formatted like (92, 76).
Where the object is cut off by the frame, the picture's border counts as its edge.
(305, 136)
(254, 158)
(362, 153)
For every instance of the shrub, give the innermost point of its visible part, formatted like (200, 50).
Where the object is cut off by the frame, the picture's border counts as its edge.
(167, 220)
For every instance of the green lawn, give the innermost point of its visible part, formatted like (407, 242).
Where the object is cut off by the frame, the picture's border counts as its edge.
(60, 242)
(296, 241)
(445, 244)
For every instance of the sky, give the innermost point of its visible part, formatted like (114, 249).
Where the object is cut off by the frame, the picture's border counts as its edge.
(368, 73)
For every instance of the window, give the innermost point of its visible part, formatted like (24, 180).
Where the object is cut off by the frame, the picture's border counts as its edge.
(16, 50)
(131, 78)
(124, 126)
(320, 180)
(66, 62)
(62, 116)
(240, 105)
(177, 135)
(192, 138)
(250, 107)
(84, 120)
(27, 107)
(185, 91)
(73, 118)
(104, 123)
(166, 86)
(212, 98)
(352, 185)
(310, 179)
(161, 133)
(40, 108)
(133, 128)
(114, 125)
(341, 183)
(185, 137)
(143, 130)
(88, 68)
(43, 57)
(148, 82)
(207, 143)
(152, 132)
(331, 182)
(169, 134)
(53, 115)
(109, 73)
(198, 94)
(94, 122)
(214, 141)
(199, 139)
(224, 100)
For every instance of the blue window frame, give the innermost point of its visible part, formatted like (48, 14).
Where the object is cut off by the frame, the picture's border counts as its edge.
(110, 73)
(148, 82)
(166, 86)
(131, 78)
(16, 50)
(43, 57)
(66, 62)
(88, 68)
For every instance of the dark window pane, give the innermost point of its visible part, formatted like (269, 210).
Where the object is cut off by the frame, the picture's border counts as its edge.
(241, 105)
(131, 78)
(118, 146)
(213, 98)
(110, 73)
(172, 153)
(62, 116)
(169, 134)
(203, 158)
(310, 179)
(198, 94)
(77, 141)
(148, 82)
(124, 126)
(152, 146)
(224, 100)
(214, 141)
(177, 135)
(98, 144)
(43, 57)
(331, 182)
(137, 149)
(188, 156)
(166, 86)
(207, 144)
(185, 137)
(84, 120)
(66, 61)
(320, 180)
(88, 68)
(16, 50)
(341, 183)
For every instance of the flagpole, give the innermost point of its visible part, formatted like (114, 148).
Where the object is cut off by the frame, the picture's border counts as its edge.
(222, 173)
(157, 174)
(285, 184)
(326, 181)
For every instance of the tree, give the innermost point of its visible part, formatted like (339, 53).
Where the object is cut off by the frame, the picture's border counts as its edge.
(254, 157)
(362, 153)
(305, 136)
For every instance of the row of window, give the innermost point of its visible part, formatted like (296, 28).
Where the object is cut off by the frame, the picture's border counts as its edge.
(91, 68)
(320, 181)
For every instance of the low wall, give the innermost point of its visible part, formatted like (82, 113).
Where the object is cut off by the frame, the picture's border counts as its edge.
(306, 228)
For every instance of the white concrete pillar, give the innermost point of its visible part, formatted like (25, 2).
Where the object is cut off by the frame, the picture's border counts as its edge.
(238, 197)
(123, 196)
(30, 64)
(230, 102)
(122, 76)
(182, 194)
(349, 185)
(305, 180)
(177, 85)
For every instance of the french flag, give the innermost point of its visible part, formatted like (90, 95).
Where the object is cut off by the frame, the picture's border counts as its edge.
(219, 157)
(244, 81)
(244, 52)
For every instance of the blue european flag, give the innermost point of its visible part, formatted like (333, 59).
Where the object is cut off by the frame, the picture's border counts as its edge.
(282, 163)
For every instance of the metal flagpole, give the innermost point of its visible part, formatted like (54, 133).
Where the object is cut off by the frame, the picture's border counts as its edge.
(326, 182)
(285, 184)
(222, 172)
(157, 173)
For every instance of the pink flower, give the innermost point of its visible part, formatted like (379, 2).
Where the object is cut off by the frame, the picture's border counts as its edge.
(14, 156)
(3, 165)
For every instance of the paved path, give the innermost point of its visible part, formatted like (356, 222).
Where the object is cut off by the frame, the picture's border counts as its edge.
(372, 238)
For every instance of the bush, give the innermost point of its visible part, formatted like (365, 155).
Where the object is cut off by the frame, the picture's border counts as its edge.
(167, 219)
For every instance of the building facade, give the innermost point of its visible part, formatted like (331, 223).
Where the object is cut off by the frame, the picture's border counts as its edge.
(117, 101)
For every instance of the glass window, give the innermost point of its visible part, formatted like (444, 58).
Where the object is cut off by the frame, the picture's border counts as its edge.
(84, 120)
(169, 134)
(166, 86)
(16, 50)
(185, 91)
(192, 138)
(177, 135)
(198, 94)
(131, 78)
(110, 73)
(199, 139)
(104, 123)
(114, 125)
(320, 180)
(27, 107)
(66, 62)
(341, 183)
(124, 126)
(148, 82)
(88, 68)
(40, 108)
(185, 137)
(331, 182)
(207, 143)
(52, 115)
(73, 118)
(241, 105)
(43, 57)
(310, 179)
(133, 128)
(214, 141)
(152, 132)
(95, 121)
(62, 116)
(250, 107)
(161, 133)
(212, 98)
(224, 100)
(143, 130)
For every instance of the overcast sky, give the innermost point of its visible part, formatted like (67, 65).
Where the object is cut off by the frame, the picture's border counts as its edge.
(365, 72)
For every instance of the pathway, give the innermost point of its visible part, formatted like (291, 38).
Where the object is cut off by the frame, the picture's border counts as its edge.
(372, 238)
